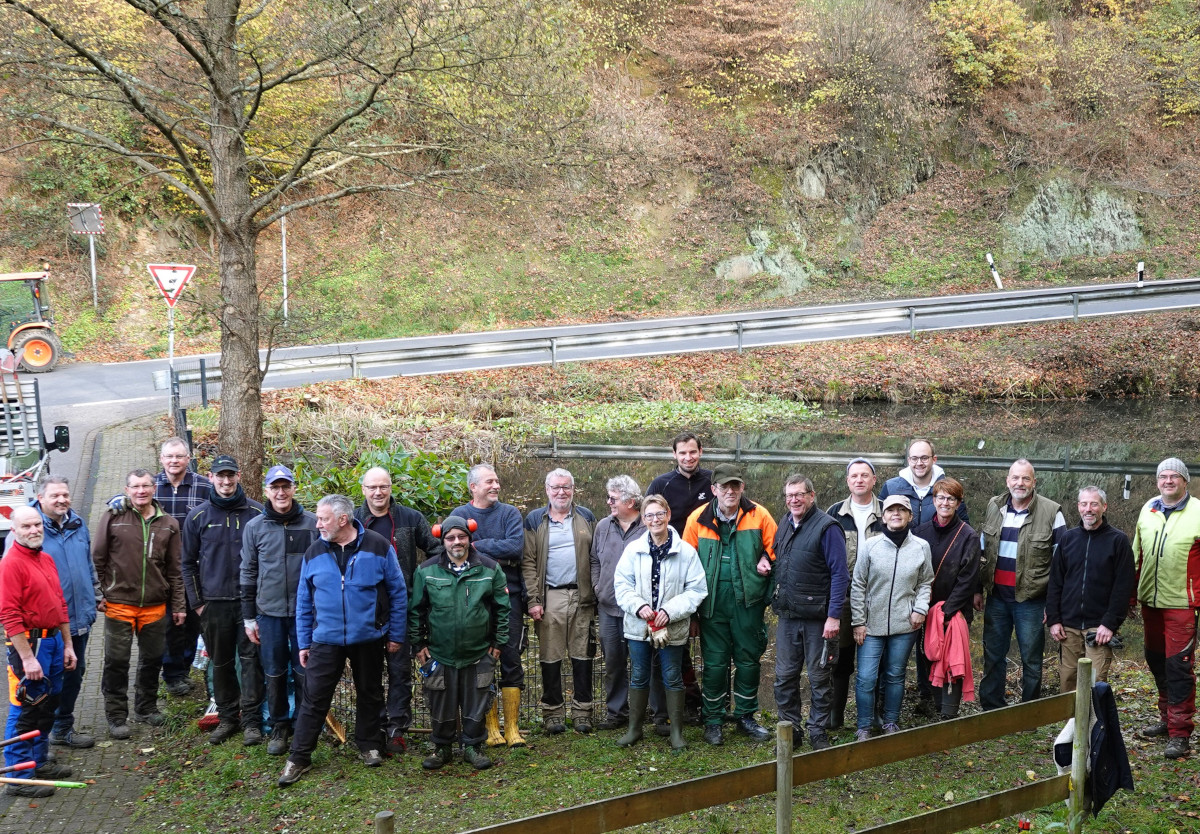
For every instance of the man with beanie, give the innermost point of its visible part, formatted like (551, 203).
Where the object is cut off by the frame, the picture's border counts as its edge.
(1019, 535)
(273, 548)
(1091, 579)
(860, 516)
(1166, 554)
(212, 563)
(500, 536)
(34, 615)
(136, 553)
(350, 603)
(735, 539)
(409, 533)
(562, 604)
(458, 624)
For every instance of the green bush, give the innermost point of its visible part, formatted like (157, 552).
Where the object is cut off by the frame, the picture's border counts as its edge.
(431, 484)
(990, 43)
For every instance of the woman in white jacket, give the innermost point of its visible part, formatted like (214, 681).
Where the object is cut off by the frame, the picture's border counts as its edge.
(659, 583)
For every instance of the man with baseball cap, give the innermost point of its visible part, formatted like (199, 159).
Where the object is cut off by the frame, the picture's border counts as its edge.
(735, 540)
(273, 547)
(1166, 553)
(457, 624)
(34, 615)
(212, 563)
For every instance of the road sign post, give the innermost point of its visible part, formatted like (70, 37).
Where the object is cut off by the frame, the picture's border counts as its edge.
(87, 219)
(171, 279)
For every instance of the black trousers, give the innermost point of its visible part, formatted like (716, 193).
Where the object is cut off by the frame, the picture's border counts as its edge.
(228, 649)
(468, 690)
(398, 713)
(321, 677)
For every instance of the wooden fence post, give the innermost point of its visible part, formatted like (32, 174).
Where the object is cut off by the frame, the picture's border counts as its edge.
(783, 777)
(385, 822)
(1076, 810)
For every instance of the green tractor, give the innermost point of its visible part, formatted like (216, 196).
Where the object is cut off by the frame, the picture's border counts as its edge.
(26, 316)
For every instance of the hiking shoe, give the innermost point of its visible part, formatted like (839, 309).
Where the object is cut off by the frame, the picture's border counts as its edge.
(281, 738)
(555, 726)
(396, 744)
(153, 719)
(53, 770)
(291, 773)
(613, 722)
(119, 730)
(713, 735)
(820, 742)
(179, 688)
(30, 791)
(582, 725)
(1156, 730)
(79, 741)
(251, 736)
(441, 757)
(1177, 748)
(863, 734)
(473, 756)
(888, 729)
(371, 758)
(747, 726)
(225, 730)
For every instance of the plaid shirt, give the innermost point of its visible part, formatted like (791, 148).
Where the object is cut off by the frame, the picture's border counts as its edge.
(178, 501)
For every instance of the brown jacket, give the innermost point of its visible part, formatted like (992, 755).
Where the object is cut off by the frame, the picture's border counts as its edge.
(137, 560)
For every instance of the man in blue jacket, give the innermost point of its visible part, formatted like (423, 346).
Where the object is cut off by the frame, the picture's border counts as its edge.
(350, 602)
(915, 482)
(67, 540)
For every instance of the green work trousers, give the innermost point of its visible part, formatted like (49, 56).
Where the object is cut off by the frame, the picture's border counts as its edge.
(733, 633)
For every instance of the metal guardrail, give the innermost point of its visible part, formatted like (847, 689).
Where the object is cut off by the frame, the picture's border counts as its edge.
(725, 331)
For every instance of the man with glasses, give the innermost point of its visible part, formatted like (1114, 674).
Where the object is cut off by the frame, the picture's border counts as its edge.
(915, 482)
(735, 538)
(1166, 553)
(412, 538)
(558, 579)
(811, 582)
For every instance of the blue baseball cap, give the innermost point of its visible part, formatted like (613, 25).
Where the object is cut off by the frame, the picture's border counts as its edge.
(278, 473)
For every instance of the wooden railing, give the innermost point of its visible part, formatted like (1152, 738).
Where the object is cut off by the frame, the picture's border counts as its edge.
(756, 780)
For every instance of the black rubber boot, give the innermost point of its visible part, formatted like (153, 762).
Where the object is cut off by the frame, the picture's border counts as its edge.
(951, 699)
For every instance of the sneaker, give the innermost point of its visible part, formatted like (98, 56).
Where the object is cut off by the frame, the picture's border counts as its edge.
(79, 741)
(441, 757)
(52, 770)
(154, 719)
(820, 742)
(747, 726)
(396, 743)
(613, 722)
(179, 688)
(119, 730)
(30, 791)
(473, 756)
(225, 730)
(555, 726)
(1156, 730)
(1177, 748)
(713, 735)
(291, 773)
(371, 758)
(281, 738)
(251, 736)
(863, 734)
(888, 729)
(582, 725)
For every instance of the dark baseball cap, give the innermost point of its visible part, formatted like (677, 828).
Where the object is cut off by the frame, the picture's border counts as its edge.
(225, 463)
(726, 472)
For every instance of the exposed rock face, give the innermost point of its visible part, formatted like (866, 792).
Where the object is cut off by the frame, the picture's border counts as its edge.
(1063, 220)
(781, 263)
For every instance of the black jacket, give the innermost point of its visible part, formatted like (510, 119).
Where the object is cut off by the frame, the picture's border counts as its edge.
(1091, 578)
(212, 551)
(956, 557)
(408, 532)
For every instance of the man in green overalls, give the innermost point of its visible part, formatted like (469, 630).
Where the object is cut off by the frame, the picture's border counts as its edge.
(735, 539)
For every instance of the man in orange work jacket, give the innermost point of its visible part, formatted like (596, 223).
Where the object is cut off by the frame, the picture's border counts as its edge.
(735, 539)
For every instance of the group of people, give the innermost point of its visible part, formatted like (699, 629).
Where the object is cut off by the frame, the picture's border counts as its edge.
(284, 597)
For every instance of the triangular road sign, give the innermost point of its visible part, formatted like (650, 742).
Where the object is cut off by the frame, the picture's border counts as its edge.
(171, 279)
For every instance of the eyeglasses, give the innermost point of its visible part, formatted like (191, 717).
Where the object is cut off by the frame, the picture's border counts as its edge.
(920, 458)
(944, 498)
(381, 488)
(564, 488)
(796, 496)
(611, 500)
(654, 516)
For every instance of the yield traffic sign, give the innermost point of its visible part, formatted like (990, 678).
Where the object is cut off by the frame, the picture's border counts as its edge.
(171, 279)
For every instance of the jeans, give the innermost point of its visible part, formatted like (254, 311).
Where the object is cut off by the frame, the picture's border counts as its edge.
(64, 717)
(885, 657)
(280, 654)
(616, 663)
(397, 714)
(670, 660)
(798, 642)
(1000, 620)
(21, 718)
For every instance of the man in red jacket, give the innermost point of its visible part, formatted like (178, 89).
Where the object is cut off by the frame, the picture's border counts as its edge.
(34, 615)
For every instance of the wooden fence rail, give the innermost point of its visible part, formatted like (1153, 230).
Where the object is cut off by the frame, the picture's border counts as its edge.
(654, 804)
